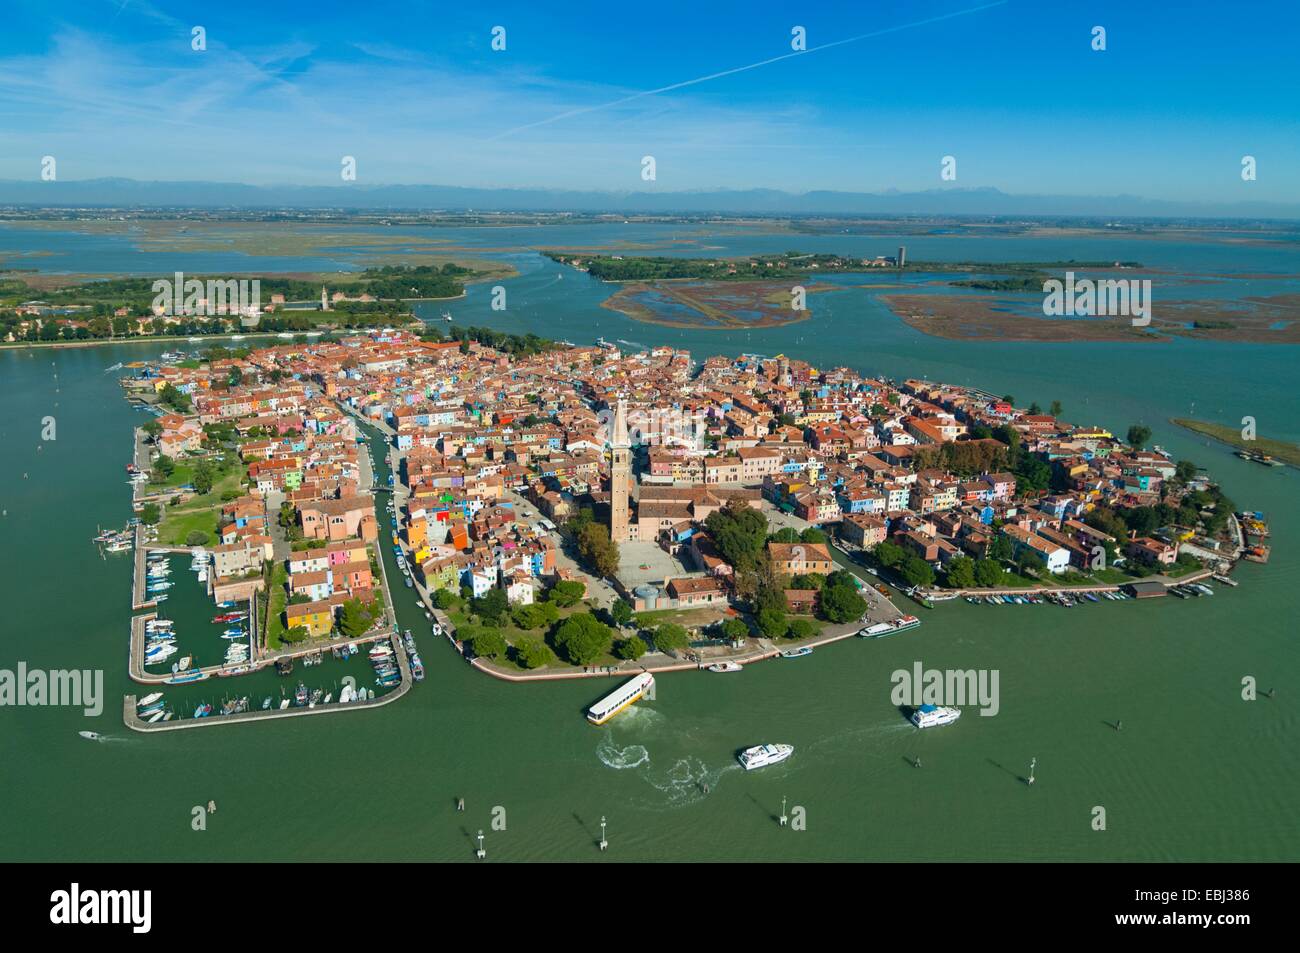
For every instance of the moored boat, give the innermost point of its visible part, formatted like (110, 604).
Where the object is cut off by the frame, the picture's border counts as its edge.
(619, 699)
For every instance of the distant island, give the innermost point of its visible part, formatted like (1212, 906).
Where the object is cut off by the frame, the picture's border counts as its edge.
(118, 308)
(1260, 448)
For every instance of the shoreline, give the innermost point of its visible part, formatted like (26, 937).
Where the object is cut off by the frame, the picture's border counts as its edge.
(1286, 453)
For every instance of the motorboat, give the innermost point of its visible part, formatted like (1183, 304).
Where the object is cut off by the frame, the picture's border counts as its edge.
(721, 667)
(934, 716)
(762, 756)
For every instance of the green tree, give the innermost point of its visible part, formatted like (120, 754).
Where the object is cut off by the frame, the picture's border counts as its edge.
(888, 554)
(492, 606)
(631, 648)
(150, 514)
(355, 618)
(297, 633)
(202, 478)
(152, 428)
(1185, 471)
(597, 550)
(583, 638)
(735, 630)
(771, 622)
(1000, 548)
(533, 653)
(670, 637)
(917, 571)
(444, 599)
(1138, 435)
(840, 603)
(989, 573)
(163, 467)
(566, 593)
(175, 399)
(621, 612)
(739, 531)
(534, 616)
(196, 538)
(802, 629)
(489, 644)
(960, 572)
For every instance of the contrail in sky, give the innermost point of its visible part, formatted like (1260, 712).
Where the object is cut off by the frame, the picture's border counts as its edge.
(742, 69)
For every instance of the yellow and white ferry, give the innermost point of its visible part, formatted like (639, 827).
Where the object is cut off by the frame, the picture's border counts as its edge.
(620, 698)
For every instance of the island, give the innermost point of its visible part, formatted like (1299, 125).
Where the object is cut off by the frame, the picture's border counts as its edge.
(565, 511)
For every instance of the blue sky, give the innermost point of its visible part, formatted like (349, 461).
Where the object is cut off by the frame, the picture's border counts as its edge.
(415, 92)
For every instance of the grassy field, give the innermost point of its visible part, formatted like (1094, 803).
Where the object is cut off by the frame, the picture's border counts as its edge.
(277, 599)
(198, 514)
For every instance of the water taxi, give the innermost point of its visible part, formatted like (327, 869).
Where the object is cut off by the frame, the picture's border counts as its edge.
(933, 716)
(623, 696)
(761, 756)
(881, 629)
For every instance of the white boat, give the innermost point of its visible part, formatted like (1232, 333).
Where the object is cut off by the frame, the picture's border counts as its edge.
(156, 716)
(760, 756)
(348, 695)
(623, 696)
(284, 703)
(726, 667)
(932, 716)
(90, 735)
(149, 699)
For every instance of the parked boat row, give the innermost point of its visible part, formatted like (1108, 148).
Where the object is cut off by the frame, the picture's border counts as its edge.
(152, 708)
(384, 661)
(412, 656)
(1062, 598)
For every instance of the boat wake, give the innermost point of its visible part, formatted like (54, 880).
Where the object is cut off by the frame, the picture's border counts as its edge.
(687, 780)
(637, 344)
(621, 759)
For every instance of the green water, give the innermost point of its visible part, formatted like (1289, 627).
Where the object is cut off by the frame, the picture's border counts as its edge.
(1195, 774)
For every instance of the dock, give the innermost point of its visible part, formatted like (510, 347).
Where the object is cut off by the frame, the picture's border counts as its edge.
(132, 720)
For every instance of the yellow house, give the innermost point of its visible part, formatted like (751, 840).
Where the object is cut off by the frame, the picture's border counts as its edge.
(316, 617)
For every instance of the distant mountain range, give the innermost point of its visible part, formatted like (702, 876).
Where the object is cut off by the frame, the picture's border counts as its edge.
(130, 193)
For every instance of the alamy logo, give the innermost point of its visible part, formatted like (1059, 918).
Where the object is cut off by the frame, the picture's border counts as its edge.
(181, 297)
(949, 687)
(658, 427)
(76, 906)
(1107, 298)
(35, 688)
